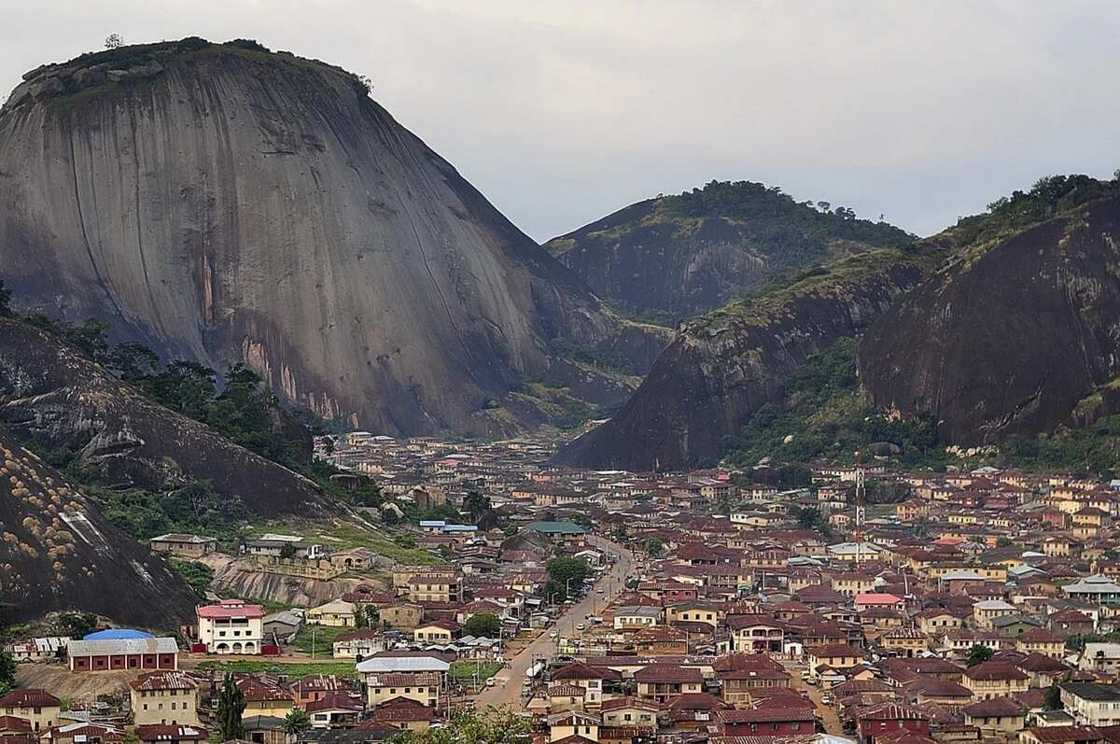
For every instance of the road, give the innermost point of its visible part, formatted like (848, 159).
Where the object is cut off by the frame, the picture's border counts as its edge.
(507, 683)
(827, 713)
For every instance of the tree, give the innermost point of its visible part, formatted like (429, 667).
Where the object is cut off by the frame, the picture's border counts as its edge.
(231, 705)
(563, 573)
(978, 655)
(5, 301)
(483, 624)
(114, 41)
(1053, 700)
(492, 726)
(476, 504)
(368, 616)
(296, 722)
(77, 625)
(287, 550)
(655, 547)
(7, 671)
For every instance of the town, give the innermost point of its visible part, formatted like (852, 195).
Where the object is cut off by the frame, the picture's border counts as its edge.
(833, 604)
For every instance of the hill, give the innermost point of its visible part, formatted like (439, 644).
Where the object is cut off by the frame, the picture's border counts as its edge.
(54, 398)
(1018, 329)
(223, 204)
(721, 368)
(682, 255)
(58, 552)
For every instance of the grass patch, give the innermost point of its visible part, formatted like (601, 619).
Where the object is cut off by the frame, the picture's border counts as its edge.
(324, 637)
(339, 535)
(464, 671)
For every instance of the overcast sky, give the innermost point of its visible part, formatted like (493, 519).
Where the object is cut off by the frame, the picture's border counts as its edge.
(561, 112)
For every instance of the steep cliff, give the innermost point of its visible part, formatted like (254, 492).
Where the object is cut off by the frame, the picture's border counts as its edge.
(221, 203)
(57, 552)
(51, 395)
(722, 367)
(682, 255)
(1007, 338)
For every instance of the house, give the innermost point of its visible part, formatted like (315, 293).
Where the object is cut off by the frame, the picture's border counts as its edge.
(996, 716)
(403, 616)
(1102, 657)
(264, 730)
(884, 721)
(423, 687)
(183, 545)
(984, 612)
(334, 710)
(832, 656)
(436, 631)
(158, 733)
(231, 626)
(110, 654)
(636, 617)
(1040, 641)
(1091, 703)
(755, 634)
(314, 687)
(660, 682)
(906, 642)
(164, 697)
(38, 707)
(337, 613)
(629, 712)
(264, 698)
(358, 644)
(769, 721)
(281, 626)
(589, 680)
(81, 732)
(38, 649)
(573, 724)
(993, 679)
(403, 713)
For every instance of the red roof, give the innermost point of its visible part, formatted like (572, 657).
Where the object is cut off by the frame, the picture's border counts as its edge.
(230, 608)
(31, 697)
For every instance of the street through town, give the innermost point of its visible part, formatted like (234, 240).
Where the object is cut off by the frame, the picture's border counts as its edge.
(507, 683)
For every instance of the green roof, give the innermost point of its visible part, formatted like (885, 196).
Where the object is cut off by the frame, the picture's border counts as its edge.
(557, 528)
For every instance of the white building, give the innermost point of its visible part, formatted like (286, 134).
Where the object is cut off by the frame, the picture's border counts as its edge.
(231, 626)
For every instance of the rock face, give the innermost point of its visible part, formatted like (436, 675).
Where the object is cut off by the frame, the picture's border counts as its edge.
(1007, 338)
(678, 256)
(54, 396)
(57, 552)
(724, 366)
(220, 203)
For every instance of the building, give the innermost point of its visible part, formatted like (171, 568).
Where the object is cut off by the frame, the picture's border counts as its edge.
(423, 687)
(885, 721)
(993, 679)
(1001, 717)
(337, 613)
(358, 644)
(165, 697)
(1091, 703)
(183, 545)
(112, 654)
(38, 707)
(157, 733)
(231, 626)
(661, 682)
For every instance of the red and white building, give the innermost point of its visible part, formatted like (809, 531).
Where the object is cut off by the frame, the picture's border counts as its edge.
(231, 626)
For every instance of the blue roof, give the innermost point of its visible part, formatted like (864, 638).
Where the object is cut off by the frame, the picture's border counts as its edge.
(117, 634)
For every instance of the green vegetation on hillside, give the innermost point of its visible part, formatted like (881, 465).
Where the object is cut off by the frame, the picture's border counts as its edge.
(823, 414)
(1049, 197)
(1092, 449)
(198, 575)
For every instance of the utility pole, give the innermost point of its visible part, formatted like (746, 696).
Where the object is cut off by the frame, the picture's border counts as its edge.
(861, 513)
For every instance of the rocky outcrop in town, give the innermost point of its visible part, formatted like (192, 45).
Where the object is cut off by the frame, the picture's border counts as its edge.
(721, 368)
(223, 204)
(57, 552)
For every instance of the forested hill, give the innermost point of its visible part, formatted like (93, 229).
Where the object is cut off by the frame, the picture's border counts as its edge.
(676, 256)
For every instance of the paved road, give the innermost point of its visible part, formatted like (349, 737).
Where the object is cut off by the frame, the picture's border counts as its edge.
(507, 683)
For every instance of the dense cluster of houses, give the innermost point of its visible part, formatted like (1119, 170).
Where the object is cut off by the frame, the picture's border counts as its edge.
(965, 606)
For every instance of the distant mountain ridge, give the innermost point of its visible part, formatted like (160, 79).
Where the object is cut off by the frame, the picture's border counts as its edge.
(682, 255)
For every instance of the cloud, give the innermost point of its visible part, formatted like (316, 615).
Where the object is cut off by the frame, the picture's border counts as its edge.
(562, 112)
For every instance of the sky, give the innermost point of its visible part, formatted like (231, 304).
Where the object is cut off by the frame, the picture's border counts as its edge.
(562, 112)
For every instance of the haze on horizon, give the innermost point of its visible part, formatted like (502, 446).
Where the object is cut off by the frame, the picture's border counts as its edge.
(563, 112)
